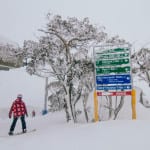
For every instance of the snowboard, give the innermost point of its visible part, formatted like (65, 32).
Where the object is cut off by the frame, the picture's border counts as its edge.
(19, 133)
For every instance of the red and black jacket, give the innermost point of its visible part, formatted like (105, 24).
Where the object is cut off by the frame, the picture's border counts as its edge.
(18, 108)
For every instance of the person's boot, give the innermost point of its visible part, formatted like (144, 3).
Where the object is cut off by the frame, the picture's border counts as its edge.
(10, 133)
(24, 131)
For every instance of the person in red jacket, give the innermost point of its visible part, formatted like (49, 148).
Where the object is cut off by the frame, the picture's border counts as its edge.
(18, 109)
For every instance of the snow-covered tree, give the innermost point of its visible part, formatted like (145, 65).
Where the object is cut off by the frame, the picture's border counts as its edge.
(62, 53)
(141, 67)
(10, 55)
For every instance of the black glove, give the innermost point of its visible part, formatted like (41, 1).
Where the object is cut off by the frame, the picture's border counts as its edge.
(9, 115)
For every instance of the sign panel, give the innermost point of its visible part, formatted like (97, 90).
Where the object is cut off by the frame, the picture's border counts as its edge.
(114, 87)
(115, 50)
(112, 62)
(113, 79)
(119, 93)
(115, 70)
(111, 56)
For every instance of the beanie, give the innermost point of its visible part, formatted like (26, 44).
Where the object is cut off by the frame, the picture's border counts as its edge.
(19, 96)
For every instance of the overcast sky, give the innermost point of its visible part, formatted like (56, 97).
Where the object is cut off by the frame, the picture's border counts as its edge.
(130, 19)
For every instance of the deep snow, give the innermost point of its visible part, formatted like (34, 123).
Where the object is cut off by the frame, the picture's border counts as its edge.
(54, 133)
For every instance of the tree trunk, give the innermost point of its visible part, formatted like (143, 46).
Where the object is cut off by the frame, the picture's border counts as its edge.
(119, 107)
(67, 111)
(110, 106)
(69, 108)
(84, 106)
(148, 77)
(71, 105)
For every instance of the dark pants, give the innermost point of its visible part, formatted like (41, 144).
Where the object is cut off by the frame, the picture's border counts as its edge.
(22, 118)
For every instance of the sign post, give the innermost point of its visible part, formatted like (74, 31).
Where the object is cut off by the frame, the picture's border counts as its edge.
(133, 104)
(96, 116)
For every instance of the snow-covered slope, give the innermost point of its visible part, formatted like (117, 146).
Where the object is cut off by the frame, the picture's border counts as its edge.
(18, 81)
(52, 131)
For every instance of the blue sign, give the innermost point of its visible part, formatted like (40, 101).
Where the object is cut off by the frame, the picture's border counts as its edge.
(114, 88)
(113, 79)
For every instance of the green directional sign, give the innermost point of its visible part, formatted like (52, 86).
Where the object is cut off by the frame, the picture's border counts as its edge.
(115, 50)
(113, 62)
(112, 56)
(115, 70)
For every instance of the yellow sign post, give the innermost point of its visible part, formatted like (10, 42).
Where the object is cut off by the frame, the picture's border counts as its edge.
(133, 102)
(96, 116)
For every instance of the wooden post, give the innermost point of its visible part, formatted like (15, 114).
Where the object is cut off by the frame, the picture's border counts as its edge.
(96, 117)
(133, 104)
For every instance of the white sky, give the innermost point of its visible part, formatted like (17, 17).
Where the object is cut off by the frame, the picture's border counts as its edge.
(20, 19)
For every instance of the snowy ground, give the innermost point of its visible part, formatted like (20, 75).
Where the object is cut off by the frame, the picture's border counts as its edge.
(55, 134)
